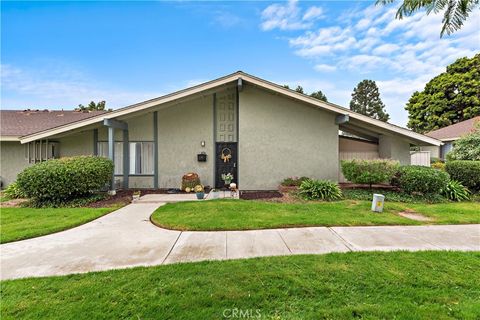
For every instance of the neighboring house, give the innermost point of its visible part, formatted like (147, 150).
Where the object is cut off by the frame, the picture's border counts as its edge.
(257, 130)
(448, 135)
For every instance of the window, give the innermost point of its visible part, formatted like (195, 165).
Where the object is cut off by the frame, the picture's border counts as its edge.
(140, 154)
(141, 158)
(118, 148)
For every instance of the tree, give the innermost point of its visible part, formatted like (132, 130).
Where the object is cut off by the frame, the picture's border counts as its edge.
(319, 95)
(451, 97)
(92, 106)
(455, 11)
(366, 100)
(467, 147)
(299, 89)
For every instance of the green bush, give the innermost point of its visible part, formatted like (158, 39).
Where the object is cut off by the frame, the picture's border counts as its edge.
(420, 179)
(369, 171)
(466, 172)
(320, 190)
(467, 147)
(455, 191)
(58, 181)
(293, 181)
(13, 191)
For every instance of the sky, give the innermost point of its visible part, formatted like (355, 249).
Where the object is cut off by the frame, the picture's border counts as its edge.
(57, 55)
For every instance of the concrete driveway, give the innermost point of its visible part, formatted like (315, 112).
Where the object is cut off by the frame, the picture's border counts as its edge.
(126, 238)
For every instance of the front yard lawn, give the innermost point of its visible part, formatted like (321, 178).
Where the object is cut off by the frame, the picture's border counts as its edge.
(244, 214)
(24, 223)
(378, 285)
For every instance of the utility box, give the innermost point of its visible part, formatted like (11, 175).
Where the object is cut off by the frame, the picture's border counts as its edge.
(377, 202)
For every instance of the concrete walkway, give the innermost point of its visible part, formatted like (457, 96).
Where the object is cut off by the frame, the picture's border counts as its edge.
(126, 238)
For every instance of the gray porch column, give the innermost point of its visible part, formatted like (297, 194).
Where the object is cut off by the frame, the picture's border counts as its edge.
(126, 160)
(155, 150)
(111, 153)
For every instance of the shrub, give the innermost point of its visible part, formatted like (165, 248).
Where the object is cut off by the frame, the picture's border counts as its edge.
(466, 172)
(320, 190)
(13, 191)
(293, 181)
(369, 171)
(438, 165)
(455, 191)
(58, 181)
(420, 179)
(467, 147)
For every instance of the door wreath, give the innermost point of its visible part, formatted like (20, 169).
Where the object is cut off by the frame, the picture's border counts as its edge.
(226, 155)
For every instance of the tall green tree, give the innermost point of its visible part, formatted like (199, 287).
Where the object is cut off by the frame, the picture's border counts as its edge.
(451, 97)
(366, 100)
(299, 89)
(92, 106)
(319, 95)
(455, 12)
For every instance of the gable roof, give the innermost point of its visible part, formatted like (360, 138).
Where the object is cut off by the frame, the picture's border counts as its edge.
(229, 79)
(454, 131)
(17, 123)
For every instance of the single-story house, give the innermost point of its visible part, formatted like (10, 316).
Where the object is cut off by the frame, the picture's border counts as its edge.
(259, 131)
(448, 135)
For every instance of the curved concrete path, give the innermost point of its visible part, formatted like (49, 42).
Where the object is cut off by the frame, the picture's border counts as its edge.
(126, 238)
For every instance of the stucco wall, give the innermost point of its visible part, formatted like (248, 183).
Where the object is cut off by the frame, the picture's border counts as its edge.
(434, 151)
(140, 128)
(279, 137)
(390, 147)
(181, 128)
(351, 145)
(76, 144)
(12, 161)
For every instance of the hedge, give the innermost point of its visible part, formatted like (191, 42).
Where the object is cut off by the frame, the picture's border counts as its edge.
(466, 172)
(369, 171)
(57, 181)
(421, 179)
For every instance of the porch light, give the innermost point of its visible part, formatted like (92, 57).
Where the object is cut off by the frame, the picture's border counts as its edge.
(202, 144)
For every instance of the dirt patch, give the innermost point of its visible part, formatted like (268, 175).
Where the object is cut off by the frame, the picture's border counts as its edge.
(12, 203)
(412, 215)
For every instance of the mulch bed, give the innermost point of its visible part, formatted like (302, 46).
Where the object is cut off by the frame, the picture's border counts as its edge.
(257, 195)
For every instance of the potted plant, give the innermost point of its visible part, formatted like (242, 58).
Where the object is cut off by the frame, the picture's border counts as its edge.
(227, 179)
(215, 193)
(200, 191)
(136, 195)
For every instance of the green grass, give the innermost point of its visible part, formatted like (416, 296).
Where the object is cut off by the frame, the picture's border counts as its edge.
(395, 285)
(243, 214)
(24, 223)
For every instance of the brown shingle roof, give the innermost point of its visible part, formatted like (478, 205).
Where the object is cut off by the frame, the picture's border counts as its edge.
(454, 131)
(20, 123)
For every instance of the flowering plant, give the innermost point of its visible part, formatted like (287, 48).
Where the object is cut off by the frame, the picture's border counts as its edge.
(227, 178)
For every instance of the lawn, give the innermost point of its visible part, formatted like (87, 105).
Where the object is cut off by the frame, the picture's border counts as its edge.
(243, 214)
(24, 223)
(380, 285)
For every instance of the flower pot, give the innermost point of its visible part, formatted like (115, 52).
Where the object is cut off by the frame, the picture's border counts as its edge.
(200, 195)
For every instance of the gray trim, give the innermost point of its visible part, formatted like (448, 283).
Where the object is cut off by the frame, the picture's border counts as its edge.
(111, 152)
(95, 142)
(238, 134)
(155, 149)
(214, 155)
(115, 124)
(126, 159)
(342, 119)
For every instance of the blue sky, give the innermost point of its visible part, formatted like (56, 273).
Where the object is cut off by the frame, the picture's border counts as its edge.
(60, 54)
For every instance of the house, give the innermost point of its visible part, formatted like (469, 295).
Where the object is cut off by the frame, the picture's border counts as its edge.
(259, 131)
(448, 135)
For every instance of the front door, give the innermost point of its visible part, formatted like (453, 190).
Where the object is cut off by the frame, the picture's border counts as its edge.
(226, 162)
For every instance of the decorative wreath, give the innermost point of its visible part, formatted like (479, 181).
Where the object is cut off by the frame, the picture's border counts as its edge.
(226, 155)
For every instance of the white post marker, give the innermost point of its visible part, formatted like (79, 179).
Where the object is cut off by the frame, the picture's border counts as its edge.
(377, 202)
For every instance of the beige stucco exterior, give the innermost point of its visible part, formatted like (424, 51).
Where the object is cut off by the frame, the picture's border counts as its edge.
(280, 137)
(76, 144)
(434, 151)
(181, 129)
(353, 145)
(390, 147)
(12, 161)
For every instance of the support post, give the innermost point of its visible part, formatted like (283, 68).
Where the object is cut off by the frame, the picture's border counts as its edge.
(126, 160)
(95, 142)
(155, 149)
(111, 153)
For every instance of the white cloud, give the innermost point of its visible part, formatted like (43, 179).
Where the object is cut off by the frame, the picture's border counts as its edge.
(402, 55)
(288, 16)
(325, 67)
(44, 88)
